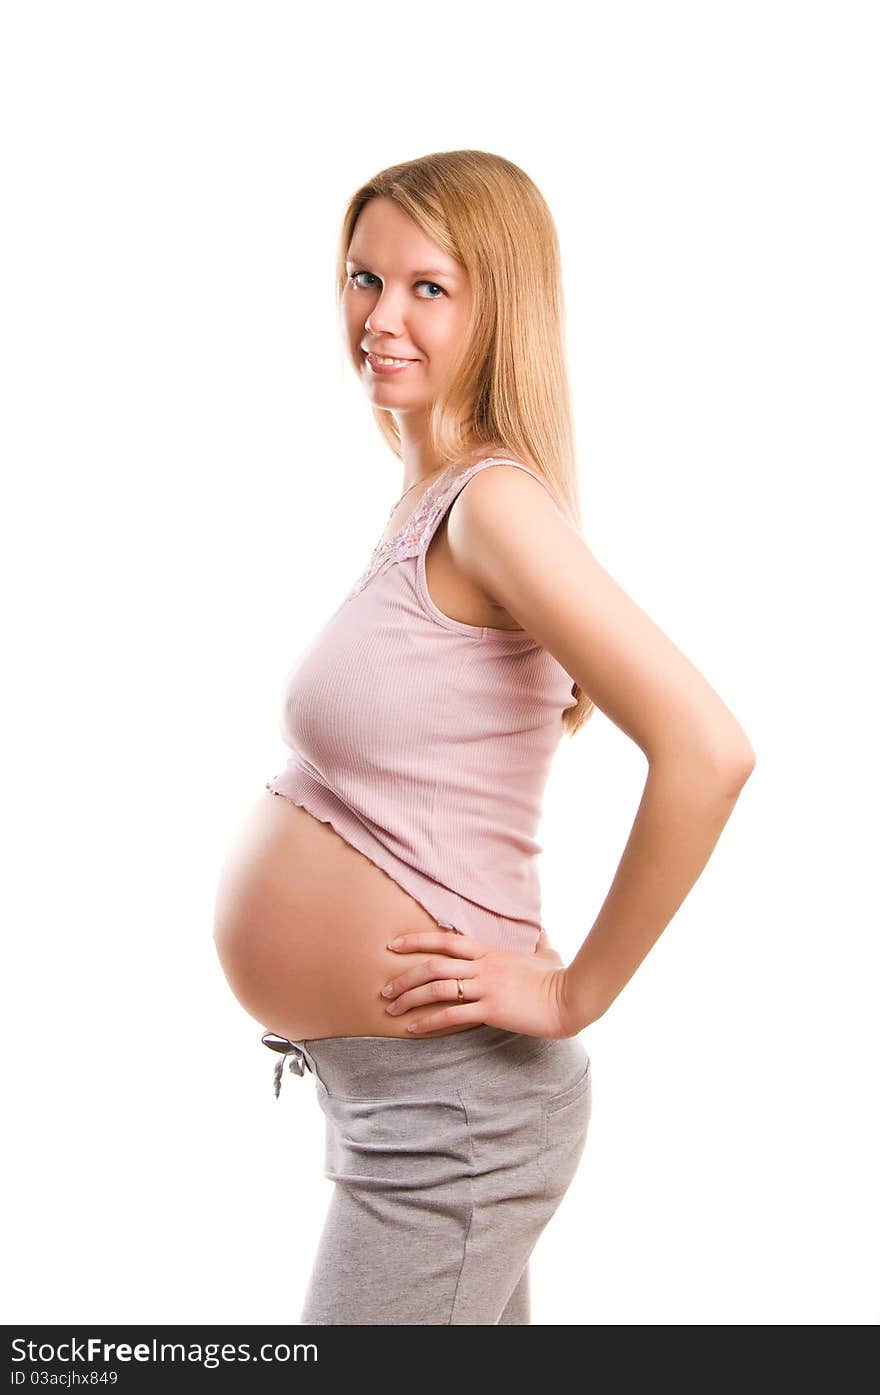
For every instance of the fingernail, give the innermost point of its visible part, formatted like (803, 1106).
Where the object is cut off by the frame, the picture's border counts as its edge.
(396, 942)
(386, 990)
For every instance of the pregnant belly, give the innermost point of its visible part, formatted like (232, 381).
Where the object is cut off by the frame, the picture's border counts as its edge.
(301, 925)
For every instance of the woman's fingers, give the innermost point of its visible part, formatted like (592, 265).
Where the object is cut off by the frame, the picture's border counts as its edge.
(430, 970)
(464, 1014)
(449, 941)
(439, 991)
(433, 979)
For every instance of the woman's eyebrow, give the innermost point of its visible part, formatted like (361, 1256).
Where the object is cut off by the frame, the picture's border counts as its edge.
(434, 271)
(429, 271)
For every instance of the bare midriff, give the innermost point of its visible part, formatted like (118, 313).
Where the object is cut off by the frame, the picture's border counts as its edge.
(302, 923)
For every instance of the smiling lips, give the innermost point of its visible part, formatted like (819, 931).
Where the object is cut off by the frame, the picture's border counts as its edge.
(379, 363)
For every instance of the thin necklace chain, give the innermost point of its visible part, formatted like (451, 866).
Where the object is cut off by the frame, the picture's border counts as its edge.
(407, 491)
(439, 471)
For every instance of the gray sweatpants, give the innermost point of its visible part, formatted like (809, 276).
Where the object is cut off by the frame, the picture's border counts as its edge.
(449, 1156)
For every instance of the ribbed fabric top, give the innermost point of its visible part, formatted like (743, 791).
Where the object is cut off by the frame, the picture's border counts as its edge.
(426, 742)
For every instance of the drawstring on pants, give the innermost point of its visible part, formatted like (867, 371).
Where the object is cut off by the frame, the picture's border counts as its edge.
(290, 1052)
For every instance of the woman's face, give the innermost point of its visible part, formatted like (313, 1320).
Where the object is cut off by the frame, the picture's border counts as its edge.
(404, 298)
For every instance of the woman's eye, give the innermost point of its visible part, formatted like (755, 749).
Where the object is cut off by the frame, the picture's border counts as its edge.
(353, 278)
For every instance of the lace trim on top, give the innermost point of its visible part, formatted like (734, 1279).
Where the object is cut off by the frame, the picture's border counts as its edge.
(418, 528)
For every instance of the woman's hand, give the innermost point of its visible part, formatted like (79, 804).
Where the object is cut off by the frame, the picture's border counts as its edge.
(502, 988)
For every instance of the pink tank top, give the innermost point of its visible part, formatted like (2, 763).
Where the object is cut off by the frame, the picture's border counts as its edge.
(426, 742)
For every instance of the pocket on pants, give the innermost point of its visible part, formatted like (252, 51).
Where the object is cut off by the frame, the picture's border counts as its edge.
(396, 1143)
(566, 1122)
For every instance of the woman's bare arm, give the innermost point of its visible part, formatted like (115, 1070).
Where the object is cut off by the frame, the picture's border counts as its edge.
(508, 536)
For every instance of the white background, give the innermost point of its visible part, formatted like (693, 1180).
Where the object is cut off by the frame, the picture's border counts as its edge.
(192, 478)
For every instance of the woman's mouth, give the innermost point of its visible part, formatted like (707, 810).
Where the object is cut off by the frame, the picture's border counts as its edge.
(382, 365)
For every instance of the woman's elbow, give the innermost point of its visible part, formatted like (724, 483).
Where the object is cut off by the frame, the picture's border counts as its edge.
(727, 758)
(735, 762)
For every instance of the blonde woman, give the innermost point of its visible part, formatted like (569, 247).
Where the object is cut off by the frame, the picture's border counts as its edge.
(421, 723)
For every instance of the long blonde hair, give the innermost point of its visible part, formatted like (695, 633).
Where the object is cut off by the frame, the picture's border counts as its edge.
(509, 384)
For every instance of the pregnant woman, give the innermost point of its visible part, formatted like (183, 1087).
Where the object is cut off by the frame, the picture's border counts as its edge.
(380, 912)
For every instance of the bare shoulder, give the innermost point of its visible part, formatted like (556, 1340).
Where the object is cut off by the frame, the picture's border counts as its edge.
(510, 537)
(504, 508)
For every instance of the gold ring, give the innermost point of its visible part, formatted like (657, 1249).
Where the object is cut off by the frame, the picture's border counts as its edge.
(460, 991)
